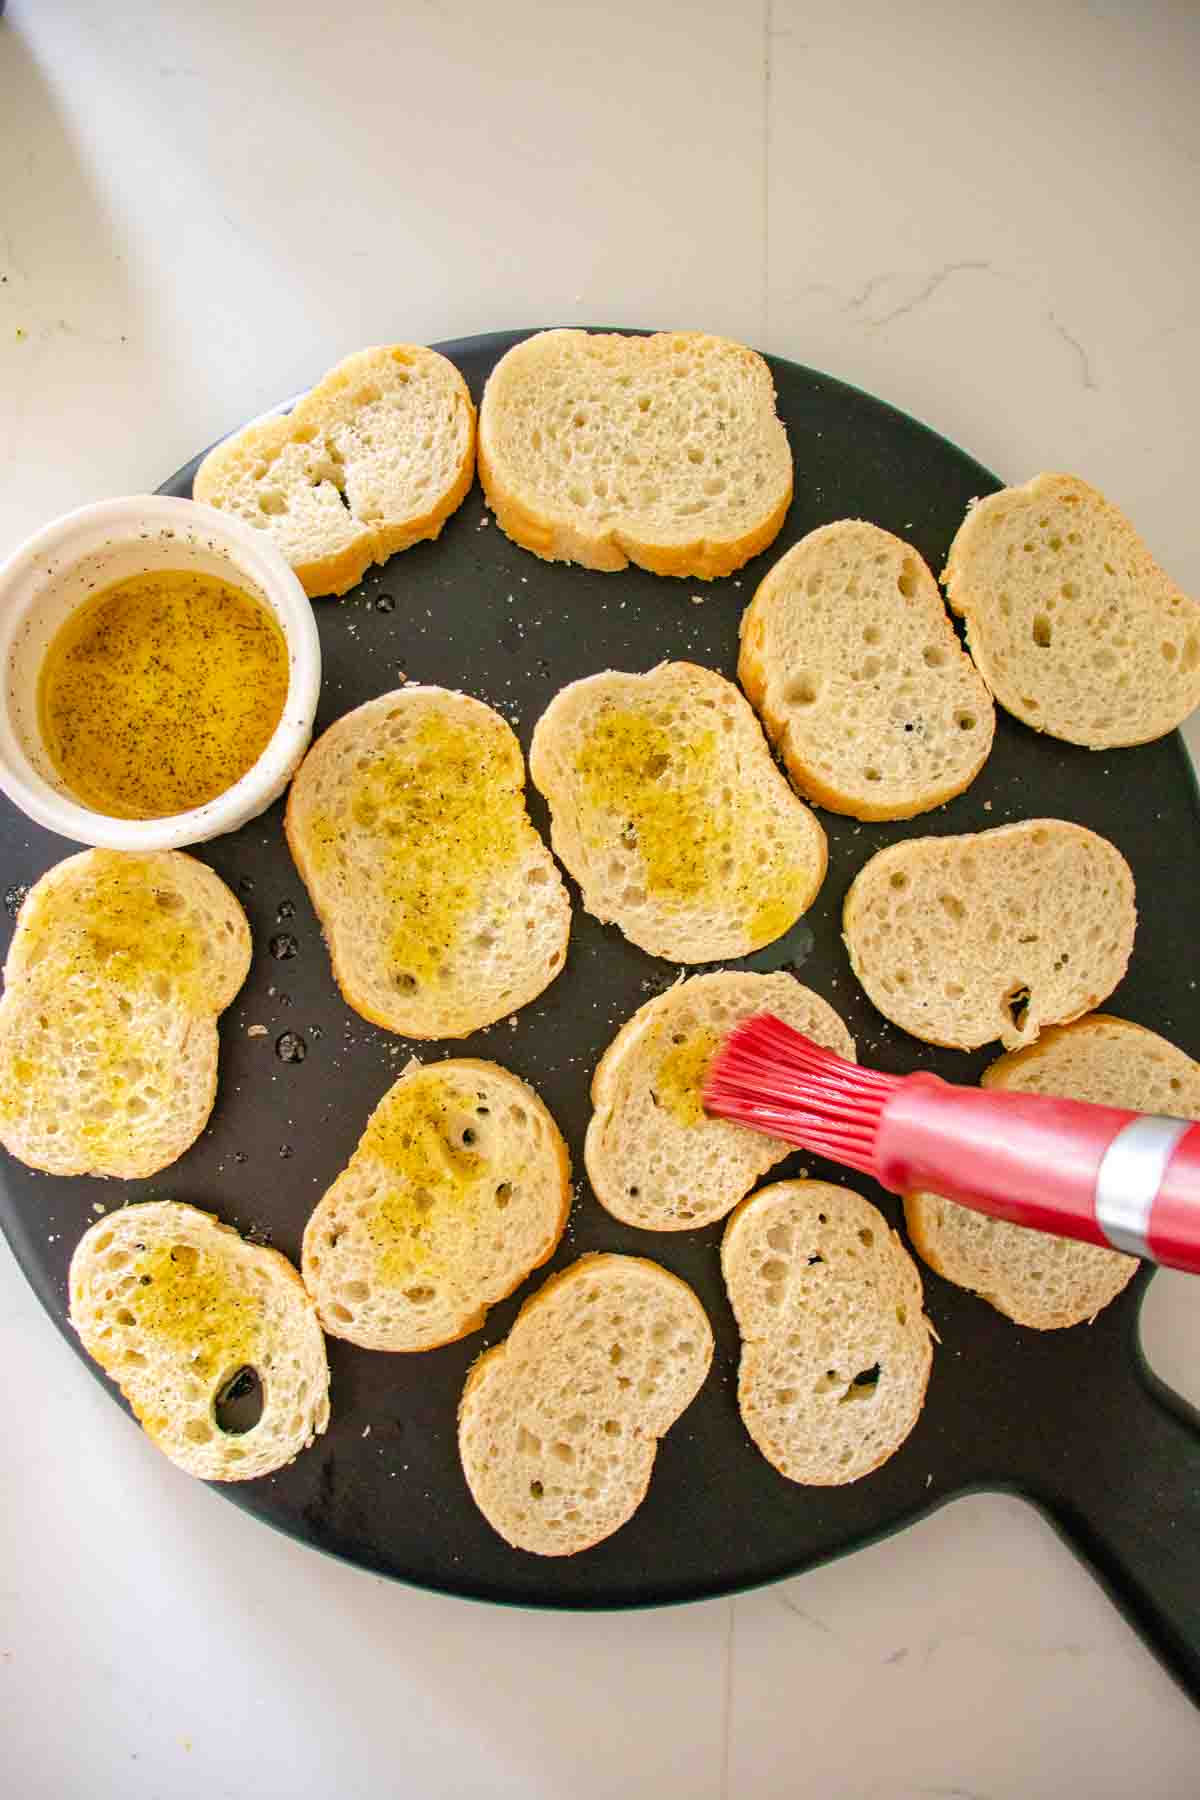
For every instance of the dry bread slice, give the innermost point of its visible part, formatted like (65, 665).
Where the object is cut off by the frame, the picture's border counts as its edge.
(559, 1425)
(375, 458)
(670, 813)
(653, 1155)
(849, 658)
(117, 971)
(1035, 1279)
(442, 907)
(459, 1187)
(961, 940)
(1075, 627)
(176, 1307)
(664, 451)
(836, 1350)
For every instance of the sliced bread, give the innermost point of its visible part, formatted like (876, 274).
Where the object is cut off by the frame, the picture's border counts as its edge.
(375, 458)
(459, 1187)
(442, 907)
(836, 1350)
(559, 1425)
(1035, 1279)
(667, 808)
(1075, 627)
(653, 1155)
(849, 659)
(664, 451)
(178, 1309)
(117, 971)
(996, 934)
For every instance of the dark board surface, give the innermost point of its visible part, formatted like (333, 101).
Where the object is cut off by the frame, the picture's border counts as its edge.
(1073, 1420)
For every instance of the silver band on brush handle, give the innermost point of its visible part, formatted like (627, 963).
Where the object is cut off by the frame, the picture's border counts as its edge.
(1129, 1177)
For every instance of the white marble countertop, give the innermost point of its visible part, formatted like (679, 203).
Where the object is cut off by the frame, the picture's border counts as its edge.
(985, 215)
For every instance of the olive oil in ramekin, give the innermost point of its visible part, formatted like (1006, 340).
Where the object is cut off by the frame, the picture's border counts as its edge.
(160, 692)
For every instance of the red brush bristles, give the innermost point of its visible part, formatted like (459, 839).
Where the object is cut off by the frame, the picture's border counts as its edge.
(777, 1080)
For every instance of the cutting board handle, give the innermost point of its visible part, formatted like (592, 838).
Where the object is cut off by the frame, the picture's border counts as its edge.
(1136, 1518)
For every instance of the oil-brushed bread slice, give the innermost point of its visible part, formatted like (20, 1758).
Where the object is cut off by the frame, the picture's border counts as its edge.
(664, 451)
(667, 808)
(176, 1307)
(1035, 1279)
(850, 660)
(559, 1425)
(996, 934)
(836, 1349)
(442, 907)
(1075, 627)
(459, 1187)
(375, 458)
(117, 971)
(654, 1157)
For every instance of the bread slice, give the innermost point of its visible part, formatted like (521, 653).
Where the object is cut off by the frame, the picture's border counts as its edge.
(375, 458)
(850, 660)
(117, 971)
(559, 1425)
(961, 940)
(175, 1307)
(459, 1187)
(442, 907)
(664, 451)
(1035, 1279)
(653, 1155)
(1074, 626)
(836, 1350)
(668, 810)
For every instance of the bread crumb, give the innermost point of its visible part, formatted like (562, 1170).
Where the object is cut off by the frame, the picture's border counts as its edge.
(697, 599)
(256, 1031)
(485, 520)
(98, 1206)
(366, 1431)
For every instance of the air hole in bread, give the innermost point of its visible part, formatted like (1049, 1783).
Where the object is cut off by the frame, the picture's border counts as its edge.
(405, 982)
(419, 1296)
(965, 721)
(899, 880)
(1016, 1003)
(272, 501)
(780, 1237)
(536, 1490)
(934, 656)
(1191, 655)
(238, 1405)
(953, 906)
(800, 692)
(341, 1313)
(355, 1291)
(873, 774)
(907, 581)
(198, 1430)
(816, 1257)
(1041, 631)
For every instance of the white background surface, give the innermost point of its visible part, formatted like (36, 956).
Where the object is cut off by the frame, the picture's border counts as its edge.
(988, 216)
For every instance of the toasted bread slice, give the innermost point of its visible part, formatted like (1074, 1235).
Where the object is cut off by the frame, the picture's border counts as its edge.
(664, 451)
(1035, 1279)
(442, 907)
(375, 458)
(559, 1425)
(117, 971)
(836, 1350)
(1074, 626)
(459, 1187)
(668, 810)
(175, 1306)
(996, 934)
(654, 1157)
(850, 660)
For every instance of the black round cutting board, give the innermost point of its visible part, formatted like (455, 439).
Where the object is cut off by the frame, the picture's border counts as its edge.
(1072, 1419)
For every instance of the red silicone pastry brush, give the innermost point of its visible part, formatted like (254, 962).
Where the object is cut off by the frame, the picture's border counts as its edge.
(1123, 1179)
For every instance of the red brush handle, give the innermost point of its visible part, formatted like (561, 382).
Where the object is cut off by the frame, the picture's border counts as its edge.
(1123, 1179)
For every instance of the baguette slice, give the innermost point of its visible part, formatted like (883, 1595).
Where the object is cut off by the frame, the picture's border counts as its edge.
(1035, 1279)
(559, 1425)
(653, 1155)
(961, 940)
(668, 810)
(850, 660)
(1075, 627)
(375, 458)
(442, 907)
(173, 1305)
(117, 971)
(836, 1350)
(459, 1187)
(664, 451)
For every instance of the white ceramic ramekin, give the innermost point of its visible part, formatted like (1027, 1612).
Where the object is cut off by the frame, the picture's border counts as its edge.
(58, 569)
